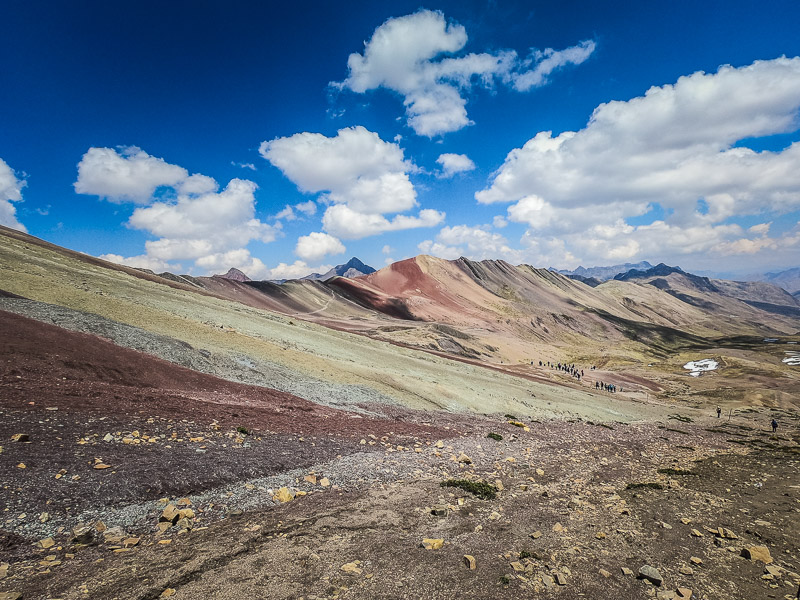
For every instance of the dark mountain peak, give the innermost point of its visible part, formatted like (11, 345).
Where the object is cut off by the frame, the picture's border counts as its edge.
(235, 275)
(660, 270)
(356, 264)
(663, 270)
(352, 268)
(605, 273)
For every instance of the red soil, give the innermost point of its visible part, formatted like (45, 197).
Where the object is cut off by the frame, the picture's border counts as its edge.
(43, 365)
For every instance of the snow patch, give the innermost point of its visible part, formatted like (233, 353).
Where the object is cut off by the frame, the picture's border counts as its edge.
(792, 358)
(697, 367)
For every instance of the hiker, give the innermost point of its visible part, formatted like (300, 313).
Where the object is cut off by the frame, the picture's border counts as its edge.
(719, 412)
(774, 426)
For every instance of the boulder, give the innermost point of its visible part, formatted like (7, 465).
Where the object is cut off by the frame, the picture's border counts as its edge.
(82, 534)
(171, 514)
(651, 574)
(432, 543)
(755, 553)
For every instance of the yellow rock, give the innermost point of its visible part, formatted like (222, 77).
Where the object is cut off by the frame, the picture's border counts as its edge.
(324, 482)
(168, 592)
(312, 479)
(170, 514)
(352, 567)
(755, 553)
(284, 495)
(47, 543)
(469, 560)
(432, 543)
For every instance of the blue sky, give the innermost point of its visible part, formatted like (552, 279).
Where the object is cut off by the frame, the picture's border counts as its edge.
(175, 135)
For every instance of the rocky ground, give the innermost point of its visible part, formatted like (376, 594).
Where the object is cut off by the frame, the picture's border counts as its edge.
(124, 476)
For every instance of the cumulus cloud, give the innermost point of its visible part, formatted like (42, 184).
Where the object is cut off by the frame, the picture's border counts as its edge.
(348, 224)
(289, 213)
(477, 243)
(454, 163)
(10, 191)
(140, 262)
(673, 148)
(361, 177)
(315, 245)
(196, 222)
(130, 175)
(296, 270)
(412, 55)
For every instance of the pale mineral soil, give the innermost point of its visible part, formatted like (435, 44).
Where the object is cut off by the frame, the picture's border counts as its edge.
(255, 338)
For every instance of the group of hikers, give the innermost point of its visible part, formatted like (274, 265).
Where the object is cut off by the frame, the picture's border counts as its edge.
(606, 387)
(578, 374)
(571, 369)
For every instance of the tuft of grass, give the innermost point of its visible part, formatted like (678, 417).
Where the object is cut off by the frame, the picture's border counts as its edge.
(682, 418)
(482, 490)
(512, 417)
(524, 554)
(671, 471)
(495, 436)
(504, 579)
(243, 430)
(649, 484)
(676, 430)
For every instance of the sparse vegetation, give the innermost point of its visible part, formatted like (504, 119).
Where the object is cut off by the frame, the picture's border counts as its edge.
(495, 436)
(648, 484)
(504, 579)
(243, 430)
(681, 418)
(511, 417)
(481, 489)
(676, 430)
(524, 554)
(671, 471)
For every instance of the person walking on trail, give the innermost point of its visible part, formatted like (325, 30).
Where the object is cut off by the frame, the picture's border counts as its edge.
(719, 412)
(774, 426)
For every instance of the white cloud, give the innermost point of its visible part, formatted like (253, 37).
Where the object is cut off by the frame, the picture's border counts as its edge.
(675, 147)
(239, 258)
(250, 166)
(315, 245)
(345, 223)
(10, 191)
(197, 222)
(287, 214)
(140, 262)
(544, 62)
(296, 270)
(356, 167)
(307, 208)
(499, 222)
(363, 178)
(477, 243)
(454, 163)
(130, 175)
(401, 56)
(387, 249)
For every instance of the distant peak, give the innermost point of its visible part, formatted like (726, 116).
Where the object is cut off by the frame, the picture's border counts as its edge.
(355, 263)
(235, 275)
